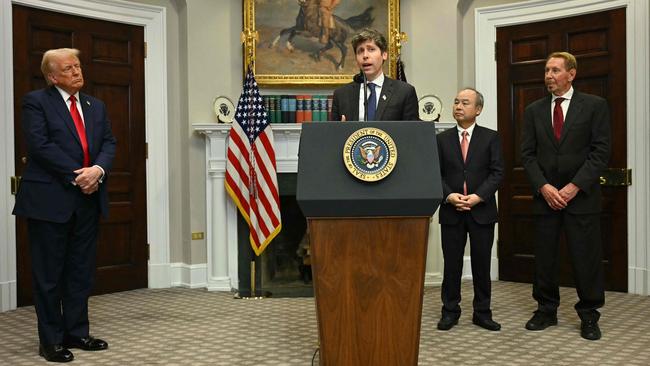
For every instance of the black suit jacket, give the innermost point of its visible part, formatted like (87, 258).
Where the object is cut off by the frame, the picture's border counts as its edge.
(398, 102)
(55, 152)
(579, 157)
(483, 172)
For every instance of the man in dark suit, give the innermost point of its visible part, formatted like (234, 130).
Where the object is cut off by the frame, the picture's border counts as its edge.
(62, 193)
(471, 167)
(388, 99)
(565, 147)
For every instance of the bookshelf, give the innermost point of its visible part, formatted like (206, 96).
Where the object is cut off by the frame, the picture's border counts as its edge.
(298, 108)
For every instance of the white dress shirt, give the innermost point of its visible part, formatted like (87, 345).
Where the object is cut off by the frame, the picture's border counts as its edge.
(565, 103)
(379, 82)
(470, 132)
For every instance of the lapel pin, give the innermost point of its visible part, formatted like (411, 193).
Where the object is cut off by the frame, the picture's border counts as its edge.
(383, 97)
(88, 103)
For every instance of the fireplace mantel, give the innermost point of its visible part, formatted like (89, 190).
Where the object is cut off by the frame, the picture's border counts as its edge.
(221, 213)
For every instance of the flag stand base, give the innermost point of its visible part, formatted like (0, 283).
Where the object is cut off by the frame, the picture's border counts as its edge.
(252, 295)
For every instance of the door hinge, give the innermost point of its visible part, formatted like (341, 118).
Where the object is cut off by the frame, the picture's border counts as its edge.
(146, 150)
(15, 183)
(495, 51)
(148, 251)
(145, 50)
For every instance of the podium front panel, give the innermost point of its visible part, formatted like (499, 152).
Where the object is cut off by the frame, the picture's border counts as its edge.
(327, 189)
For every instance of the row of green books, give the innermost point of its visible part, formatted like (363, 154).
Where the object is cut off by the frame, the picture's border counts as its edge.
(298, 108)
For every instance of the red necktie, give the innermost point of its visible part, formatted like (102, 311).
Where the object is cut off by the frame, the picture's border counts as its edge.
(464, 146)
(81, 130)
(558, 118)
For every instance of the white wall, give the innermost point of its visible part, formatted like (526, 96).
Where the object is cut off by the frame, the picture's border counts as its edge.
(439, 58)
(204, 60)
(214, 67)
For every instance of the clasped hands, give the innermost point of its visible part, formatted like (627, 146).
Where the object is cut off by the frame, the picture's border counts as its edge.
(463, 202)
(88, 179)
(558, 200)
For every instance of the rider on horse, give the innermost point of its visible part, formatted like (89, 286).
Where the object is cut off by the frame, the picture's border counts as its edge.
(326, 20)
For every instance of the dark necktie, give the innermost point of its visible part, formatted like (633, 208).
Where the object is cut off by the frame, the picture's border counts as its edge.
(81, 130)
(372, 102)
(558, 118)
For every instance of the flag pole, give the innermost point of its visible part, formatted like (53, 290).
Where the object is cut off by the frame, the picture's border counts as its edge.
(253, 278)
(250, 94)
(253, 293)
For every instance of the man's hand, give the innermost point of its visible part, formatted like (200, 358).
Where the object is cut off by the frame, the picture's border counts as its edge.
(472, 200)
(553, 197)
(88, 179)
(569, 191)
(462, 202)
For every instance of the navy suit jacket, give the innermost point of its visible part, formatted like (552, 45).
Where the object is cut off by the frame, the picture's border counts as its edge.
(54, 152)
(398, 102)
(482, 170)
(579, 157)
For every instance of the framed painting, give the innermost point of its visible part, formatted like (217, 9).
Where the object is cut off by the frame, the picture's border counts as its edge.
(290, 47)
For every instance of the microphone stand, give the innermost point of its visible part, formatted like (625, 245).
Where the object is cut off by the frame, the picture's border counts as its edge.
(365, 96)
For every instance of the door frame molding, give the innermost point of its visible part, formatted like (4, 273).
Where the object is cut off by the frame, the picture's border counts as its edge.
(638, 110)
(153, 19)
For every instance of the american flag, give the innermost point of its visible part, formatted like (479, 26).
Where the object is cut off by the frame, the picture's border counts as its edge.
(251, 178)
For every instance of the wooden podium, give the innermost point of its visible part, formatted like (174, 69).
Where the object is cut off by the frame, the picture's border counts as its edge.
(368, 242)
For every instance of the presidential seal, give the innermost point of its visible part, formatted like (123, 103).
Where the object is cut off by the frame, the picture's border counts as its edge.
(370, 154)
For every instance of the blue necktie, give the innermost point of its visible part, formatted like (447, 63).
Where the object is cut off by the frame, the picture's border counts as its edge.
(372, 102)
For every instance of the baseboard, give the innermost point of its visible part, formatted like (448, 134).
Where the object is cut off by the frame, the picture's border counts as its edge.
(189, 275)
(221, 284)
(432, 279)
(638, 281)
(160, 275)
(8, 300)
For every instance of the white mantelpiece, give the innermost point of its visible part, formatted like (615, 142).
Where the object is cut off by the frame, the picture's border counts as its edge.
(221, 213)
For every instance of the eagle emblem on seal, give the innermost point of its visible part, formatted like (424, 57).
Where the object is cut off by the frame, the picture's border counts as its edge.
(370, 154)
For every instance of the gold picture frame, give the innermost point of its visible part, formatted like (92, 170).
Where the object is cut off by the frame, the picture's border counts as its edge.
(276, 64)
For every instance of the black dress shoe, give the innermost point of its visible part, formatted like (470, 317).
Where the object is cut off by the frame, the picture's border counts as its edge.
(89, 343)
(55, 353)
(590, 330)
(486, 323)
(447, 322)
(541, 321)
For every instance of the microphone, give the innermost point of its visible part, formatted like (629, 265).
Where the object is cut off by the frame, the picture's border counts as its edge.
(365, 95)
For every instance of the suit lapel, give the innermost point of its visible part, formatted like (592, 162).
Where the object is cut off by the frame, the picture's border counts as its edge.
(61, 108)
(355, 90)
(455, 142)
(575, 107)
(473, 143)
(384, 98)
(546, 120)
(87, 108)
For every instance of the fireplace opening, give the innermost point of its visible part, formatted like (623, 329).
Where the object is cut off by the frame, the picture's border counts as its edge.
(284, 268)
